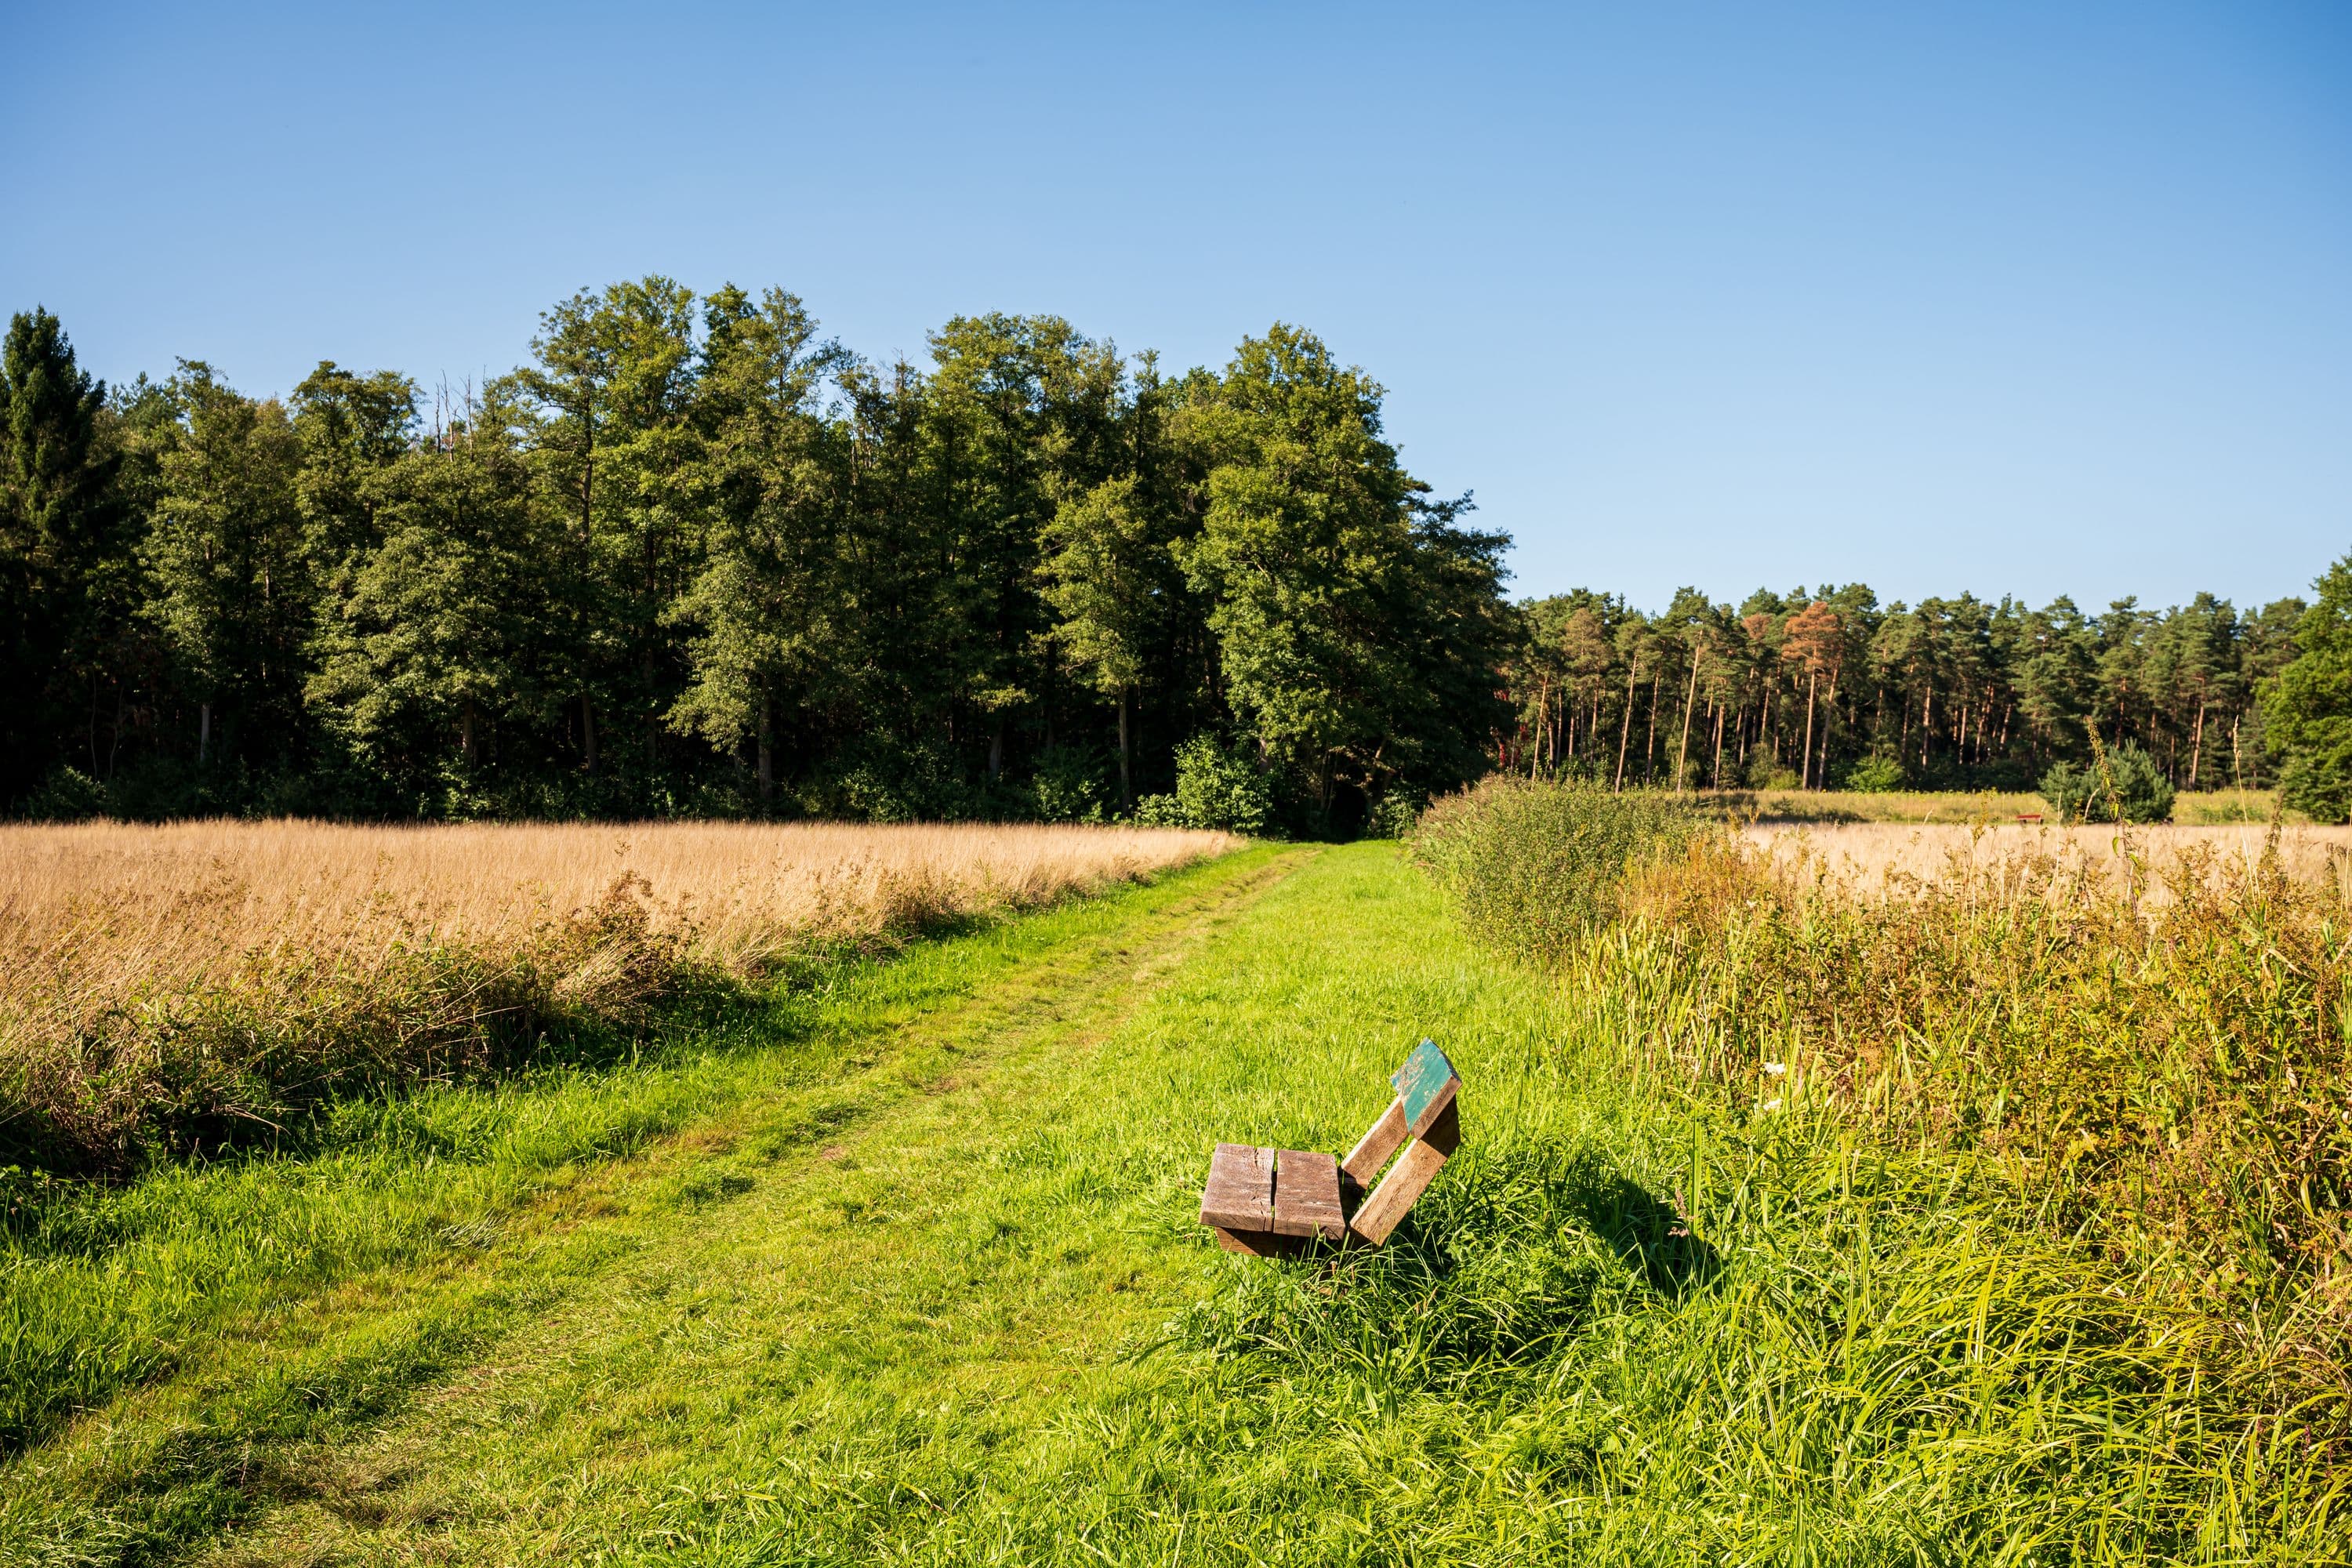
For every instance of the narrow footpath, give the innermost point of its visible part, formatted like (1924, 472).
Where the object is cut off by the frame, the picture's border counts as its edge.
(903, 1317)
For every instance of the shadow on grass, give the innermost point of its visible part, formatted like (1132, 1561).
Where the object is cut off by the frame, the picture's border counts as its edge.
(1648, 1235)
(1497, 1271)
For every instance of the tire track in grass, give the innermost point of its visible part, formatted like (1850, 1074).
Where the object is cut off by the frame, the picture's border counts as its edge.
(927, 1282)
(262, 1422)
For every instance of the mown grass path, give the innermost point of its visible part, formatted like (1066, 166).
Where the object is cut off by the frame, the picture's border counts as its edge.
(563, 1198)
(937, 1328)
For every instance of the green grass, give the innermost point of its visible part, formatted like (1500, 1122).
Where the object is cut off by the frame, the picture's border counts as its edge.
(2201, 808)
(924, 1285)
(265, 1301)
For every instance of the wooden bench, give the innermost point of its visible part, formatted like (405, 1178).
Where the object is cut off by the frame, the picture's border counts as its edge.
(1270, 1203)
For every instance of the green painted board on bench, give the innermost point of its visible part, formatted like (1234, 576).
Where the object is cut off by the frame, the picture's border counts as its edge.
(1424, 1085)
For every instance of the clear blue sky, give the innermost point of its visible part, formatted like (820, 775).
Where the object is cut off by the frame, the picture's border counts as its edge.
(2024, 298)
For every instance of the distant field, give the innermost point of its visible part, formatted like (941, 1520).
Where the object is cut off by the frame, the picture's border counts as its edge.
(186, 900)
(1960, 806)
(1866, 856)
(195, 982)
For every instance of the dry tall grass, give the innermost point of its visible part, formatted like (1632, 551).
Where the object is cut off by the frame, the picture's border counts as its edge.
(200, 979)
(2140, 1038)
(2147, 1031)
(1886, 857)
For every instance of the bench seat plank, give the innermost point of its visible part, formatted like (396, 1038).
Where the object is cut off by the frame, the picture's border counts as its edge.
(1307, 1195)
(1240, 1194)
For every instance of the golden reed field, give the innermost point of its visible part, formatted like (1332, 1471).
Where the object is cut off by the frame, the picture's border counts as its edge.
(1891, 856)
(126, 904)
(222, 967)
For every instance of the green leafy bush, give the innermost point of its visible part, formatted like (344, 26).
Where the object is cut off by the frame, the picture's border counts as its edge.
(1220, 789)
(1875, 775)
(1158, 811)
(2122, 784)
(1536, 865)
(1392, 815)
(68, 795)
(1067, 786)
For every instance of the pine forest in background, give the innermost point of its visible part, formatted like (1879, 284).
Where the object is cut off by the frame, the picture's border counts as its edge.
(693, 559)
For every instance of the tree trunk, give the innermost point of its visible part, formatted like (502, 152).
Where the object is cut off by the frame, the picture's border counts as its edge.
(1805, 774)
(1650, 741)
(204, 734)
(996, 749)
(1624, 732)
(1126, 788)
(1682, 751)
(1543, 721)
(767, 753)
(1718, 775)
(588, 732)
(465, 732)
(1048, 704)
(2197, 747)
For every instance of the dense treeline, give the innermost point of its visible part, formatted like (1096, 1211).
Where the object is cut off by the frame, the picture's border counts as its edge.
(1833, 689)
(693, 557)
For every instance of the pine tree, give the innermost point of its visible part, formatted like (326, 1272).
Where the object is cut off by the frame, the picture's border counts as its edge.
(60, 545)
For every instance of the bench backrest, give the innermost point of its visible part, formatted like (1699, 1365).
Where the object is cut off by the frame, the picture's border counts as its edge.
(1426, 1085)
(1421, 1121)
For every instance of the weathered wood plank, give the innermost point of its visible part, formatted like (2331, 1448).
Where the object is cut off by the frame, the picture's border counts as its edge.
(1426, 1085)
(1307, 1195)
(1240, 1192)
(1373, 1149)
(1257, 1243)
(1407, 1179)
(1393, 1198)
(1445, 1134)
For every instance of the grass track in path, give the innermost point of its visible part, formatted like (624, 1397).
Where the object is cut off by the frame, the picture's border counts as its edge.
(262, 1310)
